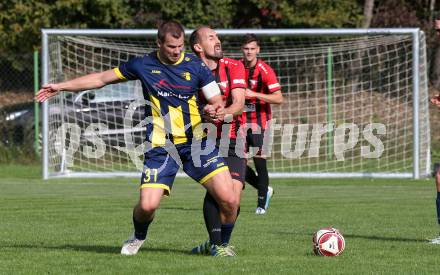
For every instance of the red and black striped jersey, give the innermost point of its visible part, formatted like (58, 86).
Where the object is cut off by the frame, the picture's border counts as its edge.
(230, 74)
(261, 79)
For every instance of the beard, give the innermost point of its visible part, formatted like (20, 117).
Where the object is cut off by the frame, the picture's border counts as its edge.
(217, 54)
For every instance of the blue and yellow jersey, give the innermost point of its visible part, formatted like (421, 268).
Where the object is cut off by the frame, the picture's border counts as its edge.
(172, 90)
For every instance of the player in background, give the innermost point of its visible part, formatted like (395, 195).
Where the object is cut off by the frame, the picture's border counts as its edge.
(171, 81)
(436, 101)
(263, 90)
(230, 77)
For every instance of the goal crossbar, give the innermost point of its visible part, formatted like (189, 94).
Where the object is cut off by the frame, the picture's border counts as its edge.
(416, 34)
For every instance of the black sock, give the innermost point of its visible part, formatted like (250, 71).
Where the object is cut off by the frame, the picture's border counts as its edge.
(263, 180)
(140, 229)
(226, 232)
(251, 177)
(211, 214)
(437, 202)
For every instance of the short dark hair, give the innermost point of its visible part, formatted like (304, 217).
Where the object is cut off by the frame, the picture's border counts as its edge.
(194, 38)
(248, 38)
(170, 27)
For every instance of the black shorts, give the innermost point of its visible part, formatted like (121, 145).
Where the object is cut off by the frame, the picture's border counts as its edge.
(255, 140)
(233, 149)
(237, 168)
(234, 158)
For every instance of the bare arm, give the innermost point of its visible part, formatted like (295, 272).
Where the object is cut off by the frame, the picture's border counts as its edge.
(90, 81)
(236, 108)
(273, 98)
(216, 109)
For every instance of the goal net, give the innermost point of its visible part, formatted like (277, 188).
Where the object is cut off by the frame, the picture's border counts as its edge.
(355, 102)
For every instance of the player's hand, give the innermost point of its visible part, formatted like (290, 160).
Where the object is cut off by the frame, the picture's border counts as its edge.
(47, 91)
(249, 94)
(220, 113)
(209, 110)
(209, 113)
(436, 100)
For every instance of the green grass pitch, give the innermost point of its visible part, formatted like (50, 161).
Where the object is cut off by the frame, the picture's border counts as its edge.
(75, 226)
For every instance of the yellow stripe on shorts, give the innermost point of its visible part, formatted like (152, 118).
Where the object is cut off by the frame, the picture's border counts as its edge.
(119, 74)
(213, 173)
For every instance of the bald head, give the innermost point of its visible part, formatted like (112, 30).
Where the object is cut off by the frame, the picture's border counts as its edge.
(205, 43)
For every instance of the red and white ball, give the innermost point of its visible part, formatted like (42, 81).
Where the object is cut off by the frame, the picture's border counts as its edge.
(328, 241)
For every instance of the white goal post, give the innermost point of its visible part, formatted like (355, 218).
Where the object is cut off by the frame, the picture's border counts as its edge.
(356, 102)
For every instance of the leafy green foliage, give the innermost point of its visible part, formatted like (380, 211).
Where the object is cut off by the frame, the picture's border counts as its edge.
(22, 21)
(299, 14)
(191, 13)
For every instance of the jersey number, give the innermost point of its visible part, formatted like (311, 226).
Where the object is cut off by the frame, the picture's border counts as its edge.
(150, 173)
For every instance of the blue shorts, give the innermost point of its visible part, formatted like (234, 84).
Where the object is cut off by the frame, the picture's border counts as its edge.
(200, 160)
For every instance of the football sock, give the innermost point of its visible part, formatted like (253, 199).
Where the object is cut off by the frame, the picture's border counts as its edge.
(437, 202)
(212, 219)
(140, 229)
(263, 180)
(251, 177)
(226, 232)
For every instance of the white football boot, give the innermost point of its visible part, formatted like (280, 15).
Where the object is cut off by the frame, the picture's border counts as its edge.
(131, 246)
(260, 211)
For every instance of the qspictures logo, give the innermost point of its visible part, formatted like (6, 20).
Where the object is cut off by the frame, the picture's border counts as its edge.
(296, 141)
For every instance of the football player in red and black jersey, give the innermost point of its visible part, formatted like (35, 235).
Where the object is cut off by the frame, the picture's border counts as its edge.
(263, 90)
(230, 76)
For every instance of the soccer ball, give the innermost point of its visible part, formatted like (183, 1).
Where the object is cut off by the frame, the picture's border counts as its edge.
(328, 241)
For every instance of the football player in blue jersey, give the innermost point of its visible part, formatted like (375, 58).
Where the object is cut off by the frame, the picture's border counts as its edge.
(171, 80)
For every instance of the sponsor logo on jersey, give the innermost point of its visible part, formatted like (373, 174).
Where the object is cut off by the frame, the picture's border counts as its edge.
(263, 68)
(273, 86)
(249, 107)
(238, 81)
(155, 71)
(164, 83)
(186, 76)
(171, 94)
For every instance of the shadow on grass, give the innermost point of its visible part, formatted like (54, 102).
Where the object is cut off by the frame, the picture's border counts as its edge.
(94, 248)
(180, 208)
(355, 236)
(380, 238)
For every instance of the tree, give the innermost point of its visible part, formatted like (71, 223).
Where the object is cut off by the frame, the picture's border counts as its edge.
(22, 21)
(299, 14)
(368, 13)
(191, 13)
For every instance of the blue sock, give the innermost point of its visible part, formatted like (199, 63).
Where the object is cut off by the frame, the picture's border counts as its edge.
(437, 202)
(226, 232)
